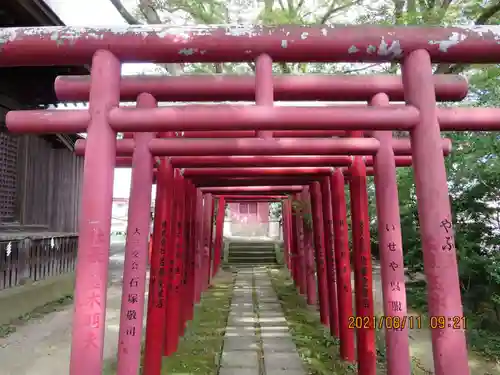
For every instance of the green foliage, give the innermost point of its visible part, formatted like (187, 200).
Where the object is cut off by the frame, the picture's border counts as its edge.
(303, 209)
(275, 211)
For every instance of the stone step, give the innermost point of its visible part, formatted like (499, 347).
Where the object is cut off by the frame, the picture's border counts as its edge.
(253, 255)
(271, 256)
(254, 246)
(251, 260)
(252, 252)
(243, 265)
(250, 265)
(250, 248)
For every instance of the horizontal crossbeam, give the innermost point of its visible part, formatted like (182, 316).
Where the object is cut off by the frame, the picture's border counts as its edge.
(264, 147)
(29, 46)
(233, 117)
(216, 88)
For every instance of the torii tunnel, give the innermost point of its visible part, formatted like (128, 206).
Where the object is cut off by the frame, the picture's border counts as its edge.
(300, 152)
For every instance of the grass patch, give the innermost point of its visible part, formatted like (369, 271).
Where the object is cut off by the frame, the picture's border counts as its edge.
(201, 347)
(315, 345)
(37, 313)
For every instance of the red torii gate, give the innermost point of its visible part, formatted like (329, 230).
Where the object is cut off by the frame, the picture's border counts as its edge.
(415, 47)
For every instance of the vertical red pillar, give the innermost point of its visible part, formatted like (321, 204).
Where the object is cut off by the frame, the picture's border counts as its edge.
(158, 278)
(186, 258)
(192, 250)
(391, 250)
(319, 247)
(286, 231)
(199, 246)
(136, 251)
(329, 255)
(87, 339)
(219, 233)
(295, 240)
(207, 230)
(363, 283)
(300, 261)
(343, 266)
(211, 242)
(173, 316)
(290, 233)
(309, 268)
(438, 243)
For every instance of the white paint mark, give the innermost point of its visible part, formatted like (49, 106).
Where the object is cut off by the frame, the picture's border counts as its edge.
(8, 249)
(483, 29)
(284, 44)
(304, 35)
(394, 49)
(453, 40)
(52, 243)
(187, 51)
(241, 30)
(7, 35)
(353, 49)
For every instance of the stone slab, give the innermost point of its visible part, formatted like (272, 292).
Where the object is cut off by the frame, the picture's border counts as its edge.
(240, 358)
(271, 314)
(271, 334)
(239, 331)
(238, 300)
(274, 329)
(273, 322)
(242, 313)
(282, 361)
(283, 344)
(284, 372)
(241, 321)
(242, 306)
(270, 307)
(242, 371)
(268, 300)
(240, 343)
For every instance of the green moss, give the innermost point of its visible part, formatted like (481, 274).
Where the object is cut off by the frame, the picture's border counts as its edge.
(315, 345)
(36, 313)
(201, 347)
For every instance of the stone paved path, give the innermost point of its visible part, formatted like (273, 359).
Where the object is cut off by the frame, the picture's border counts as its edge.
(257, 340)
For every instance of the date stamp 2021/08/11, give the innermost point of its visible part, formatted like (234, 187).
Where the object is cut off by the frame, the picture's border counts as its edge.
(410, 322)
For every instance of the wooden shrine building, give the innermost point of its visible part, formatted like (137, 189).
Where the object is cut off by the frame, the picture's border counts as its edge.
(39, 175)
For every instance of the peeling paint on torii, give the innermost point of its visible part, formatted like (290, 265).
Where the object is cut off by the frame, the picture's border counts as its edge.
(42, 45)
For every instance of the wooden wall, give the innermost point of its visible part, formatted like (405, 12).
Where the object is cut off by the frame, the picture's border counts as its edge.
(49, 185)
